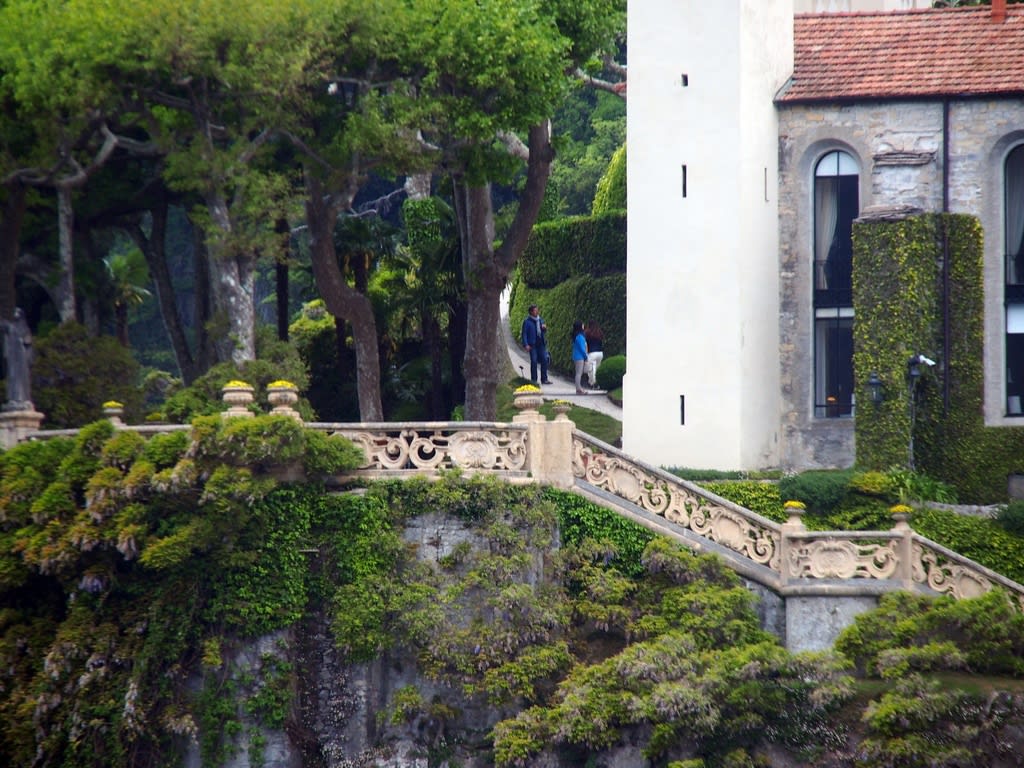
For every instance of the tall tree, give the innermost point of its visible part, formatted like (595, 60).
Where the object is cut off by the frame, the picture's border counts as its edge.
(497, 71)
(218, 84)
(63, 111)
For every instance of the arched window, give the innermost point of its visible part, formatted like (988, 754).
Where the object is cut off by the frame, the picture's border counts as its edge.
(836, 205)
(1013, 244)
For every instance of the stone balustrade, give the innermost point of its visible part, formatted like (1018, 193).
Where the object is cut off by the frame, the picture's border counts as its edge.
(785, 558)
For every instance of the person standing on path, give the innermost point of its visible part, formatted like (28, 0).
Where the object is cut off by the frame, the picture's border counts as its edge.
(579, 354)
(534, 338)
(595, 351)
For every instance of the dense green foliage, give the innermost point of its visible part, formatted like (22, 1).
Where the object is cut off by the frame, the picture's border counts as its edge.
(74, 373)
(121, 560)
(574, 247)
(134, 573)
(984, 635)
(575, 270)
(589, 127)
(611, 189)
(275, 361)
(899, 264)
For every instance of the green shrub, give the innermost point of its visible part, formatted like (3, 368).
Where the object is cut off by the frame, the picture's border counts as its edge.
(611, 372)
(314, 335)
(916, 486)
(74, 373)
(276, 360)
(762, 498)
(985, 635)
(1011, 517)
(872, 483)
(822, 490)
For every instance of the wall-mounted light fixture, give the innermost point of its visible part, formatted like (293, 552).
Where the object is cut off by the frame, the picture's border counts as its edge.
(877, 388)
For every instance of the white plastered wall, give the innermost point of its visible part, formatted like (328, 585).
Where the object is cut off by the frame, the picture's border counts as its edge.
(702, 278)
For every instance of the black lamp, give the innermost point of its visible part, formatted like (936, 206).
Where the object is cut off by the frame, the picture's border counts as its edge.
(876, 386)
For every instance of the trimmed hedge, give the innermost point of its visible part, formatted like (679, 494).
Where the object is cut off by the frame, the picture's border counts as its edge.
(572, 247)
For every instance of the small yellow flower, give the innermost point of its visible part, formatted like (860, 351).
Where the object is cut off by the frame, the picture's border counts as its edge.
(526, 389)
(281, 383)
(113, 404)
(238, 383)
(794, 504)
(900, 509)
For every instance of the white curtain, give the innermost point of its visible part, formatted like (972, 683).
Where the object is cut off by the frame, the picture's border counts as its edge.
(1014, 212)
(826, 213)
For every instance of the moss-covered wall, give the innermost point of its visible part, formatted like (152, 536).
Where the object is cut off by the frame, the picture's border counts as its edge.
(899, 289)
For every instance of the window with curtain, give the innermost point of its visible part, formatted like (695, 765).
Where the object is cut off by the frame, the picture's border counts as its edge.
(836, 205)
(1013, 237)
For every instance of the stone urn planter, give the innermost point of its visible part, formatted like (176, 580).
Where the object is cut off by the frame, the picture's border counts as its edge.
(527, 398)
(561, 408)
(282, 395)
(238, 395)
(114, 410)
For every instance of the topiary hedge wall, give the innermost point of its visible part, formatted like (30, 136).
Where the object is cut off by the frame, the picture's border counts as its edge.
(574, 269)
(570, 247)
(898, 289)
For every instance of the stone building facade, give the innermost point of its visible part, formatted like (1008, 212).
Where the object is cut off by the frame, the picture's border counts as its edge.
(920, 109)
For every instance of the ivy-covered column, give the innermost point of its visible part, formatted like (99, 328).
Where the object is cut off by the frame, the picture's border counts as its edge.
(897, 260)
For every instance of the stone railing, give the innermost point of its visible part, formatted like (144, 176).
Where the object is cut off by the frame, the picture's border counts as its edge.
(785, 557)
(418, 448)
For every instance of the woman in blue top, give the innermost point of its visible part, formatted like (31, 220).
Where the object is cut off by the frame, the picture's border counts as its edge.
(579, 354)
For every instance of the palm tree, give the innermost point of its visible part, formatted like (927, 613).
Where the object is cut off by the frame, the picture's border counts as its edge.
(128, 274)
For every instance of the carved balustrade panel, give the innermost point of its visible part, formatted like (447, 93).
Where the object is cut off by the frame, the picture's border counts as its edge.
(842, 558)
(945, 575)
(429, 449)
(661, 495)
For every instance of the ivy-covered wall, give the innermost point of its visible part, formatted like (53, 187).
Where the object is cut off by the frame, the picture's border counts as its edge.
(900, 311)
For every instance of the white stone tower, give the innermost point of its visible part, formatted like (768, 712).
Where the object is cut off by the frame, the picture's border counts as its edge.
(702, 382)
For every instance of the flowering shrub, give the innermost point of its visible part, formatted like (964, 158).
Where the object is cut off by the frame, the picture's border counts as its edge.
(794, 504)
(526, 389)
(238, 383)
(281, 383)
(900, 509)
(113, 404)
(560, 402)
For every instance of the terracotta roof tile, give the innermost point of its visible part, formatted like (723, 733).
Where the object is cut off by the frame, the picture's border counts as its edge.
(906, 54)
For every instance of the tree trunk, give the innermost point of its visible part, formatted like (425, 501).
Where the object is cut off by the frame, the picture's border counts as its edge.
(10, 234)
(154, 250)
(281, 288)
(65, 289)
(475, 215)
(231, 283)
(343, 301)
(487, 270)
(205, 354)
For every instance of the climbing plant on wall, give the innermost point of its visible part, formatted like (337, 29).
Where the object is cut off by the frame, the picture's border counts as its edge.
(905, 304)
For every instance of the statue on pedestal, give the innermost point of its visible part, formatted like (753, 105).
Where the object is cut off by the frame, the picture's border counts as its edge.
(18, 358)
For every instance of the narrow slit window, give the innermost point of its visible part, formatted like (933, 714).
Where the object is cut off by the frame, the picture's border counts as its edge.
(684, 181)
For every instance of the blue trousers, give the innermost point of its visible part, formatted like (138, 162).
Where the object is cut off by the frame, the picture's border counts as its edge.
(539, 356)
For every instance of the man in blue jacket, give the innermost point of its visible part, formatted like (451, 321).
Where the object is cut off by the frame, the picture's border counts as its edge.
(534, 337)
